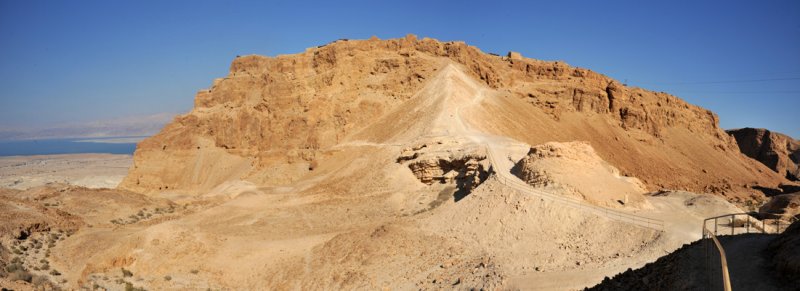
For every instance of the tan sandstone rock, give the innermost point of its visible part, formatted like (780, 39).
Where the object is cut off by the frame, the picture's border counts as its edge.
(272, 119)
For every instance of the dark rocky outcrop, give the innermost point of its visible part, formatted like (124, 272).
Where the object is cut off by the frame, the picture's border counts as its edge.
(777, 151)
(785, 252)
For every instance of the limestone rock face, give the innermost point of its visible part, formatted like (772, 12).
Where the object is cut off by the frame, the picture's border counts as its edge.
(271, 120)
(777, 151)
(447, 161)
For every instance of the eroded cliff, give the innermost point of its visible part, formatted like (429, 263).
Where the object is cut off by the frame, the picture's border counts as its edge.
(273, 119)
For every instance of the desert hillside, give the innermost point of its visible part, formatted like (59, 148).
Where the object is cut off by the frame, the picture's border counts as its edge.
(274, 120)
(777, 151)
(391, 164)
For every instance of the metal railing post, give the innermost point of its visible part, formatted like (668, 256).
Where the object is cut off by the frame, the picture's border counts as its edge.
(715, 226)
(748, 223)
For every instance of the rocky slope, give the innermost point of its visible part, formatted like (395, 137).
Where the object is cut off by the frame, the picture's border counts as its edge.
(272, 119)
(784, 255)
(785, 206)
(756, 262)
(777, 151)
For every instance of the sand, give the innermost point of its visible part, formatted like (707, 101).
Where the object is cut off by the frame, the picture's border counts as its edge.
(88, 170)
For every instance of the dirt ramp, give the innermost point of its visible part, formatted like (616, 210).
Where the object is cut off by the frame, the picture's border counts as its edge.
(526, 234)
(574, 169)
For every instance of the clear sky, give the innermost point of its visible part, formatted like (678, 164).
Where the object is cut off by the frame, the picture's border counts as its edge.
(72, 61)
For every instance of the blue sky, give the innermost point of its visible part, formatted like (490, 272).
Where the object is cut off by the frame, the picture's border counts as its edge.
(74, 61)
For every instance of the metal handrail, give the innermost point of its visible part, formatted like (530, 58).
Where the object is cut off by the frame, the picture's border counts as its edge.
(726, 278)
(518, 185)
(732, 218)
(712, 235)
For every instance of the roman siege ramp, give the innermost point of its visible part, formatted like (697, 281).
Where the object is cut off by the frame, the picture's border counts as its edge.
(517, 184)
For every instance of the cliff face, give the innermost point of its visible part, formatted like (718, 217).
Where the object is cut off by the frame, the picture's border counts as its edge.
(777, 151)
(273, 118)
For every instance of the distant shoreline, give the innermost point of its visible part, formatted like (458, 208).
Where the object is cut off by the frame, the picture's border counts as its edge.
(86, 145)
(135, 139)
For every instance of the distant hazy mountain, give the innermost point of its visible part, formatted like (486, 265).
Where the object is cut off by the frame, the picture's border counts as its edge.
(128, 126)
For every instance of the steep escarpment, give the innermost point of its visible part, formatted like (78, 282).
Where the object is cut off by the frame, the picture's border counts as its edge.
(777, 151)
(272, 120)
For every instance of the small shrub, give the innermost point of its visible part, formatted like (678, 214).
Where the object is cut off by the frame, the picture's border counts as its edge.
(129, 287)
(20, 275)
(14, 267)
(45, 267)
(194, 271)
(55, 273)
(167, 277)
(40, 280)
(126, 273)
